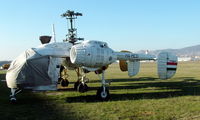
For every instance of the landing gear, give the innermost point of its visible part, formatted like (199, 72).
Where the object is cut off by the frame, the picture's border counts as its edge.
(80, 85)
(76, 85)
(62, 80)
(13, 99)
(64, 83)
(103, 92)
(14, 92)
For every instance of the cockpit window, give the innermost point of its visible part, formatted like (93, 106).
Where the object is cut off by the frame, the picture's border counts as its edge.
(104, 45)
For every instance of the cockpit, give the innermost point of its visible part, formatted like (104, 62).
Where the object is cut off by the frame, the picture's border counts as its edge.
(96, 43)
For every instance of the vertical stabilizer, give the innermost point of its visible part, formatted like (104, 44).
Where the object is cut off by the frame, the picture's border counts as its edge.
(133, 68)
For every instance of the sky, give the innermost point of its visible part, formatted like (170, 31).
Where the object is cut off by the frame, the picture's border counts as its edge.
(124, 24)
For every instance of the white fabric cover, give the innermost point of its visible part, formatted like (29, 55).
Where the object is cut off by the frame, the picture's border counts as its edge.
(37, 68)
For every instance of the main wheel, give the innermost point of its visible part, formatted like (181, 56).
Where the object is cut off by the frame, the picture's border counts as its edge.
(101, 95)
(13, 100)
(86, 80)
(76, 84)
(82, 87)
(59, 80)
(64, 83)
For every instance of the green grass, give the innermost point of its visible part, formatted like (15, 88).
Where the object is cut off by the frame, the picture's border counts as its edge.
(143, 97)
(2, 75)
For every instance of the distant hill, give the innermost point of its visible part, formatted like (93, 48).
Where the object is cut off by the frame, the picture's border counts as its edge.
(187, 51)
(190, 51)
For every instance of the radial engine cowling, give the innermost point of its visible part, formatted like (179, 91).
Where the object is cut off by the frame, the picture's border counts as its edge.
(93, 54)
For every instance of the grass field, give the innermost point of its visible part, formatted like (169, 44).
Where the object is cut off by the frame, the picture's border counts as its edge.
(143, 97)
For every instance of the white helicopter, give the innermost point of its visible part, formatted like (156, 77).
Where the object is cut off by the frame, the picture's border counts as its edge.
(39, 68)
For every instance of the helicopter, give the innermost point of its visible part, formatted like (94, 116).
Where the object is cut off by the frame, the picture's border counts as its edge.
(39, 68)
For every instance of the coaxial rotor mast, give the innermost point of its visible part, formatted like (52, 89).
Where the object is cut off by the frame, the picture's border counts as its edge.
(72, 31)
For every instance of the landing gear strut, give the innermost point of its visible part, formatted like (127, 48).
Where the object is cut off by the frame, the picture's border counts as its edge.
(76, 84)
(14, 92)
(80, 85)
(103, 92)
(63, 79)
(63, 82)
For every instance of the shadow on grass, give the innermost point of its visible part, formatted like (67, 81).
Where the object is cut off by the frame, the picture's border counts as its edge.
(32, 106)
(168, 88)
(134, 79)
(124, 80)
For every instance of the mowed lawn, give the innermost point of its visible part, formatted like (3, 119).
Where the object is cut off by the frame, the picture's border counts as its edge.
(143, 97)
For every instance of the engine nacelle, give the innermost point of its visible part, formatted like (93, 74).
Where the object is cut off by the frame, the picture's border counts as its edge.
(123, 63)
(167, 65)
(93, 54)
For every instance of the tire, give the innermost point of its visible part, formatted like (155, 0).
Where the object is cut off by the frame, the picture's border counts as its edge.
(101, 95)
(59, 80)
(86, 80)
(64, 83)
(13, 100)
(82, 88)
(76, 84)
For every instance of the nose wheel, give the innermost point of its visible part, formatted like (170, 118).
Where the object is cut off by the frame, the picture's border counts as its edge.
(103, 94)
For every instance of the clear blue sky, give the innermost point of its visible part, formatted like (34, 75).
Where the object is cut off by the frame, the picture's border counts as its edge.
(123, 24)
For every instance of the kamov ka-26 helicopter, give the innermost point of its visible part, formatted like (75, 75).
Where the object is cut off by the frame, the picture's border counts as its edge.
(39, 68)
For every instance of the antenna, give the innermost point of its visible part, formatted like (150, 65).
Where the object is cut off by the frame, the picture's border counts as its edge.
(72, 32)
(54, 33)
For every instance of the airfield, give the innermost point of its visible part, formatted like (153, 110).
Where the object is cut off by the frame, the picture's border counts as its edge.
(143, 97)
